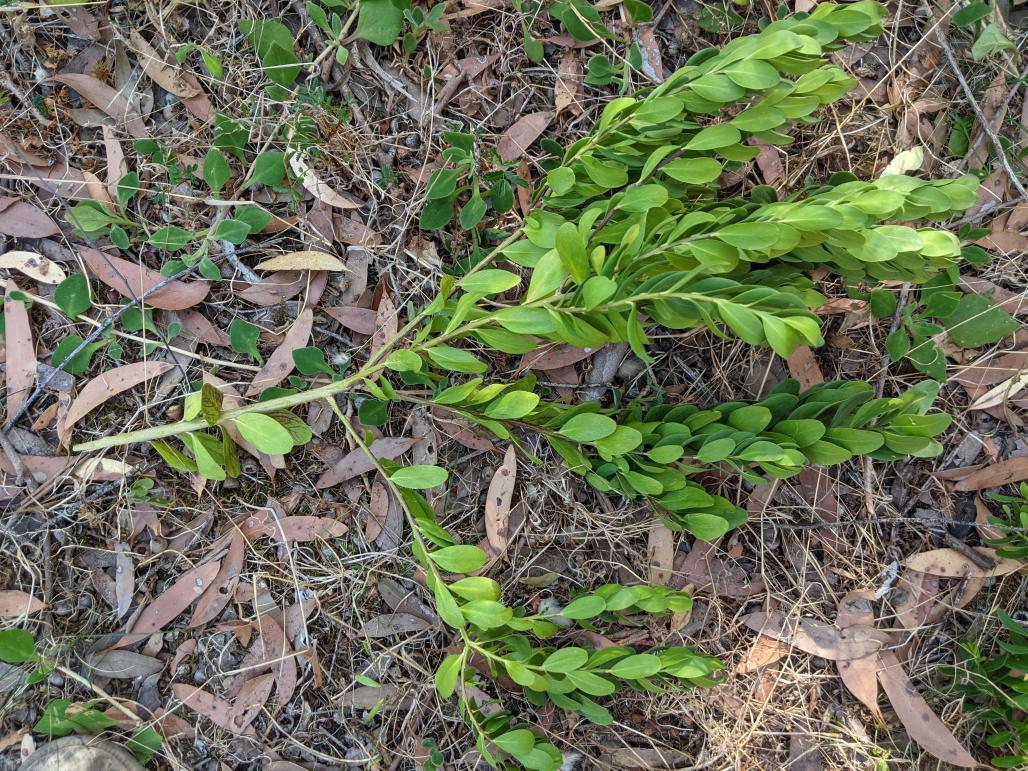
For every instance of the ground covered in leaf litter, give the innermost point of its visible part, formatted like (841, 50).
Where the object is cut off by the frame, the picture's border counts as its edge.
(123, 543)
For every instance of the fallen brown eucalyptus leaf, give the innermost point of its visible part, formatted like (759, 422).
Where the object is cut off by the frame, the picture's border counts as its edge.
(763, 652)
(35, 266)
(387, 323)
(132, 280)
(21, 351)
(367, 697)
(554, 356)
(22, 219)
(167, 76)
(859, 675)
(170, 603)
(280, 363)
(305, 260)
(949, 563)
(306, 528)
(357, 462)
(123, 665)
(252, 696)
(922, 725)
(816, 637)
(108, 99)
(276, 288)
(390, 624)
(498, 500)
(995, 475)
(360, 320)
(14, 604)
(218, 711)
(660, 551)
(522, 133)
(104, 387)
(220, 591)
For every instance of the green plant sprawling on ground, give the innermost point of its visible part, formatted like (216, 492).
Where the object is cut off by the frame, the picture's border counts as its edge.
(629, 232)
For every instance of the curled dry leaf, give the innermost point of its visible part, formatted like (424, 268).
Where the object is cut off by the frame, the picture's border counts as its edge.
(568, 86)
(522, 133)
(167, 76)
(189, 587)
(14, 604)
(21, 219)
(1000, 394)
(765, 651)
(498, 499)
(922, 725)
(123, 665)
(357, 462)
(816, 637)
(108, 99)
(305, 260)
(218, 711)
(132, 280)
(105, 386)
(317, 188)
(35, 266)
(21, 352)
(280, 363)
(360, 320)
(949, 563)
(391, 624)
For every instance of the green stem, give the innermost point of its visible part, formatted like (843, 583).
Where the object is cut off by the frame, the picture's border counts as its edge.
(374, 365)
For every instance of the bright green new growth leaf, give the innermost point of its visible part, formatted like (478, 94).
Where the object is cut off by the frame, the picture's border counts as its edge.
(274, 45)
(419, 477)
(379, 21)
(16, 646)
(264, 432)
(459, 559)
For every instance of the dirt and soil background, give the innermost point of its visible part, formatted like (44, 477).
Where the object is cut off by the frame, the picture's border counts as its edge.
(279, 620)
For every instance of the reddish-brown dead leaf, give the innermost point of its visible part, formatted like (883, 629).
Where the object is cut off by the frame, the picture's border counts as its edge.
(198, 327)
(922, 725)
(14, 604)
(220, 591)
(276, 288)
(385, 518)
(770, 164)
(104, 387)
(189, 587)
(816, 637)
(949, 563)
(513, 143)
(21, 352)
(107, 99)
(355, 463)
(21, 219)
(218, 711)
(252, 696)
(764, 651)
(360, 320)
(554, 356)
(280, 363)
(804, 367)
(131, 280)
(498, 499)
